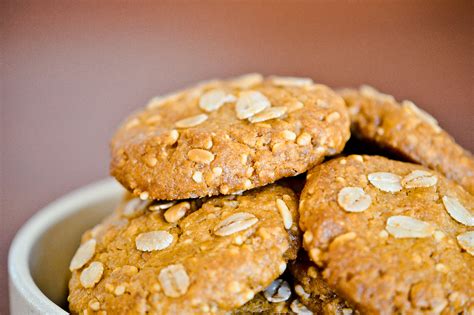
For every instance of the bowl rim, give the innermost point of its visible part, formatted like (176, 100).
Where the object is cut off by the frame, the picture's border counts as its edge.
(18, 256)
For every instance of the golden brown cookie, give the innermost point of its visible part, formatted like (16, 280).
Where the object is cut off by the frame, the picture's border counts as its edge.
(408, 131)
(391, 237)
(222, 137)
(313, 291)
(198, 256)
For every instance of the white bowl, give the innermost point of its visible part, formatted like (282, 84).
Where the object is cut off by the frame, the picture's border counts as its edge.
(39, 256)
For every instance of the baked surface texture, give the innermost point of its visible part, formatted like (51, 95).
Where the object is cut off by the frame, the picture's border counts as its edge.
(211, 257)
(221, 137)
(406, 130)
(390, 237)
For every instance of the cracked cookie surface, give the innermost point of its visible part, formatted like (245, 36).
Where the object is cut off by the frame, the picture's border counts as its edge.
(221, 137)
(198, 256)
(406, 130)
(390, 237)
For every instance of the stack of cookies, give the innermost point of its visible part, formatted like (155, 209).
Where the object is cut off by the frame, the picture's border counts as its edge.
(218, 219)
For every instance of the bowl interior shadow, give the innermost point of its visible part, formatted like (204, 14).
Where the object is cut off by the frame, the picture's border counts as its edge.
(52, 252)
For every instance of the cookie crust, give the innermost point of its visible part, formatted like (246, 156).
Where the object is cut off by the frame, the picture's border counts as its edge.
(193, 143)
(389, 243)
(212, 260)
(408, 131)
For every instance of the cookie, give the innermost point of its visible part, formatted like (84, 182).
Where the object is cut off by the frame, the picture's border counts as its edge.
(199, 256)
(313, 291)
(408, 131)
(222, 137)
(389, 236)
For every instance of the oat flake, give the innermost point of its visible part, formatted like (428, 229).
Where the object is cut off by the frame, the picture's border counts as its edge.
(353, 199)
(214, 99)
(155, 240)
(174, 280)
(247, 80)
(466, 241)
(291, 81)
(298, 307)
(251, 103)
(83, 254)
(385, 181)
(235, 223)
(278, 291)
(418, 179)
(285, 213)
(457, 211)
(91, 275)
(401, 226)
(268, 114)
(191, 121)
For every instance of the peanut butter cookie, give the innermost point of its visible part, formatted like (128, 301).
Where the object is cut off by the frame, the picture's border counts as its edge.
(390, 237)
(408, 131)
(199, 256)
(222, 137)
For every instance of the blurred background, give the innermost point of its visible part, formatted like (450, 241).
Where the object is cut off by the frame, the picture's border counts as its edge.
(72, 70)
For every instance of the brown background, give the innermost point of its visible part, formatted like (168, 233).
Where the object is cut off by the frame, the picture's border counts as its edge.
(71, 71)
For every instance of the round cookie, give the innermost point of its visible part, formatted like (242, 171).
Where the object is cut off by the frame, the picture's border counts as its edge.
(408, 131)
(200, 256)
(390, 237)
(313, 291)
(222, 137)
